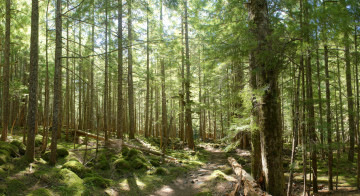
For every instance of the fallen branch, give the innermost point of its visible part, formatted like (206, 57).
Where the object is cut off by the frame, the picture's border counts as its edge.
(246, 182)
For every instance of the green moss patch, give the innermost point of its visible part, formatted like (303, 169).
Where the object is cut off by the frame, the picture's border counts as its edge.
(161, 171)
(40, 192)
(76, 167)
(72, 184)
(61, 153)
(97, 181)
(4, 156)
(14, 187)
(38, 140)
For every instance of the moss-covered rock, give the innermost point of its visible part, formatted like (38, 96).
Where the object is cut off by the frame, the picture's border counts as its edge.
(12, 149)
(97, 181)
(40, 192)
(122, 164)
(4, 156)
(38, 140)
(76, 167)
(74, 185)
(133, 153)
(102, 162)
(20, 146)
(62, 152)
(161, 171)
(137, 163)
(124, 151)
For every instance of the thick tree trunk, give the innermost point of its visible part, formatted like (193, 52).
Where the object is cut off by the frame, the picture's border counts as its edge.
(188, 119)
(57, 84)
(33, 81)
(147, 132)
(106, 88)
(350, 99)
(269, 107)
(6, 74)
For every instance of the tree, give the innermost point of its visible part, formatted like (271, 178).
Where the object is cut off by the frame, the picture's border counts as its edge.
(264, 59)
(57, 84)
(6, 74)
(120, 119)
(188, 120)
(130, 76)
(33, 81)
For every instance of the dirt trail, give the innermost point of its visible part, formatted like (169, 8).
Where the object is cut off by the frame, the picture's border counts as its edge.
(201, 180)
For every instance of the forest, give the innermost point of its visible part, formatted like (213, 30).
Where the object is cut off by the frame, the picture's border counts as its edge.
(179, 97)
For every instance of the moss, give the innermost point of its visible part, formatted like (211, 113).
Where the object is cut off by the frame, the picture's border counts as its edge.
(125, 151)
(12, 149)
(48, 174)
(76, 167)
(155, 161)
(20, 146)
(207, 193)
(228, 171)
(102, 162)
(121, 164)
(161, 171)
(97, 181)
(133, 153)
(40, 192)
(73, 184)
(137, 163)
(38, 140)
(14, 186)
(4, 156)
(62, 152)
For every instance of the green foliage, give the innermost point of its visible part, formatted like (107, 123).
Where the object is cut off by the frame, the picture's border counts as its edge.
(102, 162)
(12, 149)
(14, 186)
(60, 153)
(4, 156)
(20, 146)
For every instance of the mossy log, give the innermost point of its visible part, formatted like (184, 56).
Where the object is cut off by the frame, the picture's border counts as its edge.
(247, 183)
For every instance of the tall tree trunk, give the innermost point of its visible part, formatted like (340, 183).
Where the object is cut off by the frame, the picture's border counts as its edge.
(6, 74)
(269, 107)
(350, 99)
(147, 133)
(188, 119)
(120, 119)
(328, 118)
(57, 84)
(130, 76)
(33, 81)
(182, 90)
(106, 88)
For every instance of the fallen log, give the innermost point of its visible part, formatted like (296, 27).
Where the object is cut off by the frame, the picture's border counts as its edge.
(247, 183)
(118, 143)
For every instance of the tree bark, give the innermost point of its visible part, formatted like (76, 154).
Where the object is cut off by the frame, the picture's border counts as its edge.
(130, 76)
(267, 71)
(57, 84)
(6, 74)
(33, 81)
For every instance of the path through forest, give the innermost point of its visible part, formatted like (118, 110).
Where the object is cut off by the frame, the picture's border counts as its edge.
(204, 180)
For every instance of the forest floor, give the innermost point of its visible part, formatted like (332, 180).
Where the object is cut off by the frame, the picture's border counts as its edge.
(205, 180)
(204, 171)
